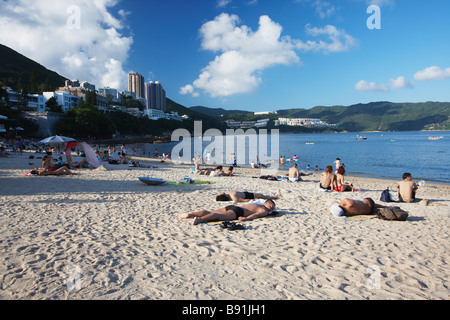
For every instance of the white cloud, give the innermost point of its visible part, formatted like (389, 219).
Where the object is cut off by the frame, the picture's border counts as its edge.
(340, 41)
(243, 53)
(223, 3)
(364, 85)
(323, 8)
(79, 39)
(432, 73)
(398, 83)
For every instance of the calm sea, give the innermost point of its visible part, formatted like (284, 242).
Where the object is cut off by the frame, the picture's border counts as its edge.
(383, 155)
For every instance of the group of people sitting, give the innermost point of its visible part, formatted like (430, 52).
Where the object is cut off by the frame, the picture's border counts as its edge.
(330, 181)
(51, 168)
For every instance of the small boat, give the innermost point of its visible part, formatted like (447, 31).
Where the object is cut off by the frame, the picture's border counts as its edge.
(310, 143)
(358, 137)
(436, 138)
(152, 181)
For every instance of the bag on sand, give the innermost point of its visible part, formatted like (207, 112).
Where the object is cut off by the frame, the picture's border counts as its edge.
(392, 213)
(386, 196)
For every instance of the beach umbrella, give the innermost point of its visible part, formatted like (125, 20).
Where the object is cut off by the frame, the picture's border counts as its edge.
(56, 139)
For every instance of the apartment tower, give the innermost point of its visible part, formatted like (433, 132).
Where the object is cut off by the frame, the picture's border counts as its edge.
(155, 95)
(136, 84)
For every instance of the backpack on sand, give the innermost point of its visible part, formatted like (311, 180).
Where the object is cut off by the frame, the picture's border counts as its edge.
(392, 213)
(386, 196)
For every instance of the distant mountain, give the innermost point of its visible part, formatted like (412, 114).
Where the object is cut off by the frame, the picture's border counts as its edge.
(215, 112)
(381, 116)
(375, 116)
(207, 120)
(20, 72)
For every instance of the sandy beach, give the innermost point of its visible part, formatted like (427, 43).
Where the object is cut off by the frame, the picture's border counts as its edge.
(103, 234)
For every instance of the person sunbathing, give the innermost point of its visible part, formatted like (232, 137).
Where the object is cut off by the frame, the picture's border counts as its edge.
(349, 207)
(139, 165)
(245, 213)
(63, 171)
(245, 196)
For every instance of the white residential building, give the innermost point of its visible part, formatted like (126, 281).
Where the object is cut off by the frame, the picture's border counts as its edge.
(35, 102)
(64, 99)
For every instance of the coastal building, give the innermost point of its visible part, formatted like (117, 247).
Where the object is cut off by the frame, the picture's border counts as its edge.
(155, 95)
(233, 124)
(302, 122)
(136, 84)
(34, 102)
(109, 93)
(66, 100)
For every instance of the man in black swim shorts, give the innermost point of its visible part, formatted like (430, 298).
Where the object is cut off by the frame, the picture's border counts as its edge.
(246, 212)
(237, 210)
(244, 196)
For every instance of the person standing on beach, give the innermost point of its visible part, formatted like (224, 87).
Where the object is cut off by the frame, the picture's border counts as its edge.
(337, 164)
(407, 188)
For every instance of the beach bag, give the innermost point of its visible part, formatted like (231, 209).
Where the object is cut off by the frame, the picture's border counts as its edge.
(392, 213)
(385, 197)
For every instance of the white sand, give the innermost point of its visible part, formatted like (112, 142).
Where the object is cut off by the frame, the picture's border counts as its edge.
(105, 235)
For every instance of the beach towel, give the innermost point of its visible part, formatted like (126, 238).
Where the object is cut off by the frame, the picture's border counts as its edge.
(179, 183)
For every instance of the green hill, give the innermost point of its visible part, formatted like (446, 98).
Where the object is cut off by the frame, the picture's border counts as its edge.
(381, 116)
(20, 72)
(215, 112)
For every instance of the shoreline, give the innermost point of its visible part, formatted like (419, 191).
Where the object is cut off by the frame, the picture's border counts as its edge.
(105, 235)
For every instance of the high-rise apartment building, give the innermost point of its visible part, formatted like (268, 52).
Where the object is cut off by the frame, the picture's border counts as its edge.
(155, 95)
(136, 84)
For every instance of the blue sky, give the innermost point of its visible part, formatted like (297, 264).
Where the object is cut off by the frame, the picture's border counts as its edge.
(254, 55)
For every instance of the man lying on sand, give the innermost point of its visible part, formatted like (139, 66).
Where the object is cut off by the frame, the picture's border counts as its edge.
(349, 207)
(246, 212)
(245, 196)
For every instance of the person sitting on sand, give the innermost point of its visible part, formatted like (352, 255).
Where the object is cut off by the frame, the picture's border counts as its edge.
(3, 152)
(245, 213)
(340, 185)
(294, 174)
(327, 178)
(245, 196)
(349, 207)
(407, 188)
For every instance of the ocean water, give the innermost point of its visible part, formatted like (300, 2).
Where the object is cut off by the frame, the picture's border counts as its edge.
(385, 155)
